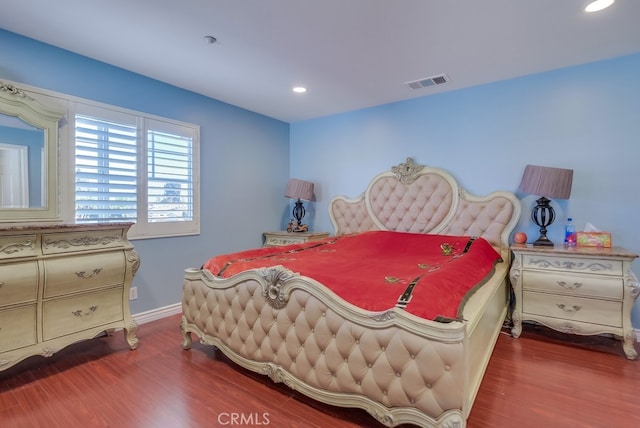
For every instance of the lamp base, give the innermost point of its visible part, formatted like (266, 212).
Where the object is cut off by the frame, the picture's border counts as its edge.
(543, 241)
(543, 215)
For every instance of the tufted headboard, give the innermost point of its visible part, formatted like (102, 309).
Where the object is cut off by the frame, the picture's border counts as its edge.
(419, 199)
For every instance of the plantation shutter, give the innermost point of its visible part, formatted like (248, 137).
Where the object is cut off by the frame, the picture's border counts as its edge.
(105, 170)
(169, 176)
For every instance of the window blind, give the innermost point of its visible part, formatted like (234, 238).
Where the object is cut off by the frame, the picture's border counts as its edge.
(105, 170)
(169, 177)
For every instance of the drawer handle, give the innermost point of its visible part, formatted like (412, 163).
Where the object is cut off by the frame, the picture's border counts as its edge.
(569, 309)
(565, 284)
(79, 313)
(83, 274)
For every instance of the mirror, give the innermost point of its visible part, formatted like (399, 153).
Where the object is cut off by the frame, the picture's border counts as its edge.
(28, 158)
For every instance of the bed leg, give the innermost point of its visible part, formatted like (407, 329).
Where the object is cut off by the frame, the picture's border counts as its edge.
(186, 335)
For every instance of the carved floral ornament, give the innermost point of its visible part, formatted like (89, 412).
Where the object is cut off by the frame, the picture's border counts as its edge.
(632, 281)
(85, 241)
(274, 278)
(407, 172)
(133, 259)
(18, 246)
(12, 90)
(571, 265)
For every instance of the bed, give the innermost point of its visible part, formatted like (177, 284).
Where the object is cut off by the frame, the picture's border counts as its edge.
(400, 365)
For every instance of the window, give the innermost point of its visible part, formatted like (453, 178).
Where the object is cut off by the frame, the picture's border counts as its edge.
(105, 170)
(169, 177)
(136, 169)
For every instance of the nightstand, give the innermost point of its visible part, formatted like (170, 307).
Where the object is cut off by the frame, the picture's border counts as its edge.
(575, 290)
(273, 239)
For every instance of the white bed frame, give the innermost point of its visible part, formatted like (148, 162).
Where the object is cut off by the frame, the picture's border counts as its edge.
(396, 366)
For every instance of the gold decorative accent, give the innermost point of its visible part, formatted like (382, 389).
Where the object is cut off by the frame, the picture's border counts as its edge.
(447, 249)
(392, 280)
(407, 172)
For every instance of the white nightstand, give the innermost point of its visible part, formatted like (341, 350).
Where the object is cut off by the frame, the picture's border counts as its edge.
(272, 239)
(576, 290)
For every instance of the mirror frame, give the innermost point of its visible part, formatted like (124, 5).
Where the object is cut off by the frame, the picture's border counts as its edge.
(14, 102)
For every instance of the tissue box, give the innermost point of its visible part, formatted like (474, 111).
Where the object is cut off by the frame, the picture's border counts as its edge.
(594, 239)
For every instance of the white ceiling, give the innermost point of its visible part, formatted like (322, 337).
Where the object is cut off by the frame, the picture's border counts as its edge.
(349, 53)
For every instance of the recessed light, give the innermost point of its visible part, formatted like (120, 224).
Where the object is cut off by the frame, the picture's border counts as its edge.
(598, 5)
(299, 89)
(210, 39)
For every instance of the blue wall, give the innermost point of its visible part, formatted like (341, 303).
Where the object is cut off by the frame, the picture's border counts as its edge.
(584, 118)
(244, 158)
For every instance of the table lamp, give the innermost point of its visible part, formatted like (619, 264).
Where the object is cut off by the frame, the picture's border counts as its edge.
(546, 182)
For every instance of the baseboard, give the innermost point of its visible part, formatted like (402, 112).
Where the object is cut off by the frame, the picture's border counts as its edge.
(158, 313)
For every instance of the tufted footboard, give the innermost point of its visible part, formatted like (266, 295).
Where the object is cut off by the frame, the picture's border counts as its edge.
(399, 368)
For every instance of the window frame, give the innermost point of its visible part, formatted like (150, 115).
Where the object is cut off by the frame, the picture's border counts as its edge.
(142, 228)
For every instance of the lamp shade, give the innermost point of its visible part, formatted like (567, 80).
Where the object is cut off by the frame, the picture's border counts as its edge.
(299, 189)
(554, 183)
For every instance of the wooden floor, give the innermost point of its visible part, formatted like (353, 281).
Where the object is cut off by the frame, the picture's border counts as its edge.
(539, 380)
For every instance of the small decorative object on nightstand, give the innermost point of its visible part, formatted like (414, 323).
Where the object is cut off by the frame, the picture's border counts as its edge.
(576, 290)
(273, 239)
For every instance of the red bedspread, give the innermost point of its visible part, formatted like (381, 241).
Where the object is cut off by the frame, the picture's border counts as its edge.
(373, 269)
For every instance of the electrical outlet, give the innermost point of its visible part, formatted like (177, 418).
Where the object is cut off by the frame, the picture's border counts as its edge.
(133, 293)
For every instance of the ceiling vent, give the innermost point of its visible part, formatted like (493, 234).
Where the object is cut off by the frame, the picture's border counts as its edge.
(428, 81)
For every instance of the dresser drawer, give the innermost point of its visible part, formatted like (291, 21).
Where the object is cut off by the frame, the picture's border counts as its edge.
(63, 276)
(14, 246)
(57, 243)
(573, 308)
(73, 314)
(573, 264)
(17, 328)
(575, 284)
(18, 283)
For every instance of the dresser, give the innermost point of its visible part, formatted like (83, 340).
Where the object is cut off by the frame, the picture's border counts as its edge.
(272, 239)
(575, 290)
(60, 284)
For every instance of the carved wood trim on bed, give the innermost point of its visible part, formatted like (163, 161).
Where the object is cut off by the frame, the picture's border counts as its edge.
(398, 367)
